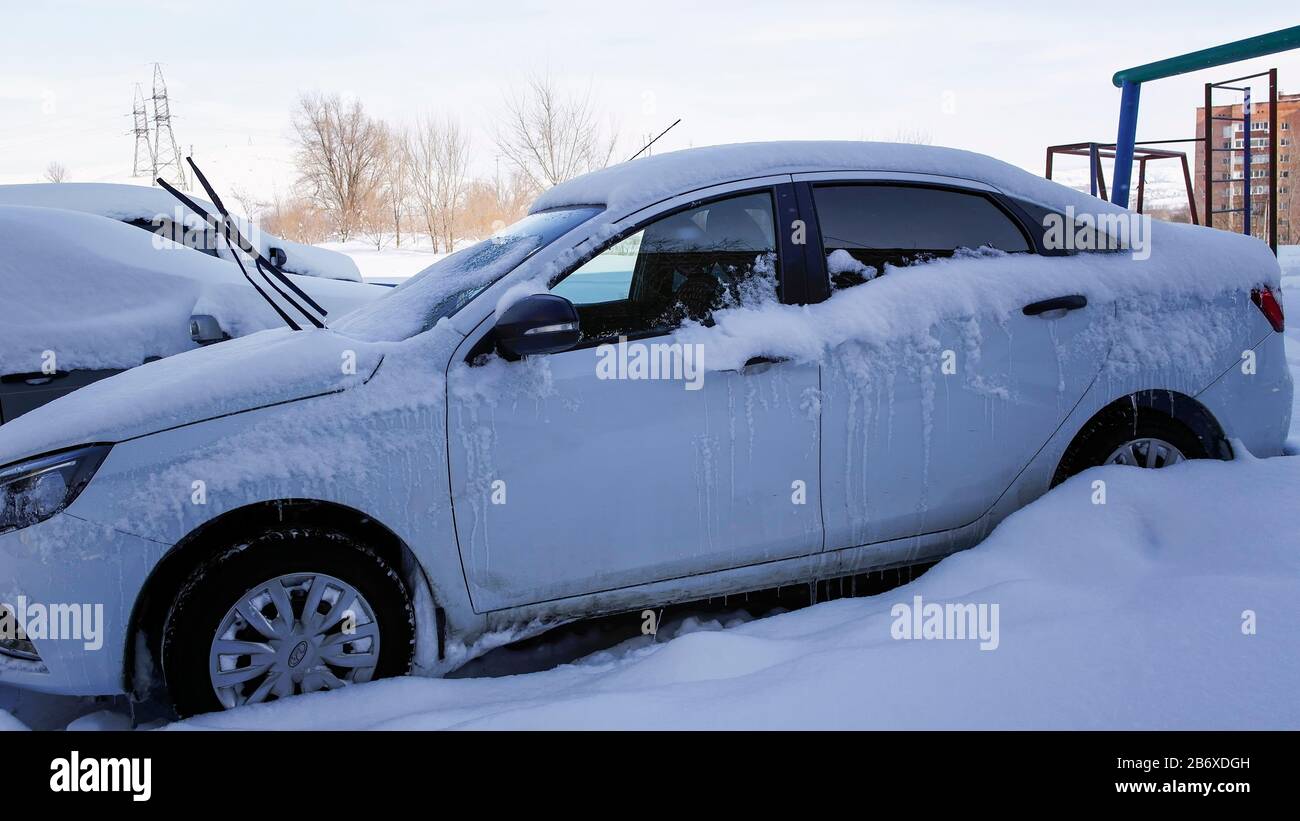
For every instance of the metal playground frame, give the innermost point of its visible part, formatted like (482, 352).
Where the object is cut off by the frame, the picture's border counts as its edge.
(1130, 81)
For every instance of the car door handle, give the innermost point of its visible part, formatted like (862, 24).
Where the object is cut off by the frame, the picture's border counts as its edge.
(752, 364)
(1060, 303)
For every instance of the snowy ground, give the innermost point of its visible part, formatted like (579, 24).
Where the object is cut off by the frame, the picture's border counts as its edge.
(1145, 612)
(388, 265)
(1123, 616)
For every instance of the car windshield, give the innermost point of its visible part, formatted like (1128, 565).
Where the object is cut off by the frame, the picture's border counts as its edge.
(450, 283)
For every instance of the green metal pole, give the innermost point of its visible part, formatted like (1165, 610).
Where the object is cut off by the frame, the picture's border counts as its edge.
(1259, 46)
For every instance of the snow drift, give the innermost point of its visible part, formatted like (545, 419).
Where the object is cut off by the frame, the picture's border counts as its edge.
(1133, 614)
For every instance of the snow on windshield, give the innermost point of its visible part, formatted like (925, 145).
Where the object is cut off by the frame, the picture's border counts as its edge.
(446, 286)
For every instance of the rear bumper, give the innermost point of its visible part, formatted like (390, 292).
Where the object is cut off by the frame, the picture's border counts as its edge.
(75, 583)
(1255, 407)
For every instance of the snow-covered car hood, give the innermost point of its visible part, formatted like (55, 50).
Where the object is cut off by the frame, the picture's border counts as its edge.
(266, 368)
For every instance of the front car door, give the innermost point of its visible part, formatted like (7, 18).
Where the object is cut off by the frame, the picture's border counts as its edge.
(626, 460)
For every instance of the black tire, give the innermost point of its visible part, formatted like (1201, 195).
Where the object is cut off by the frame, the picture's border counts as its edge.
(1117, 425)
(216, 585)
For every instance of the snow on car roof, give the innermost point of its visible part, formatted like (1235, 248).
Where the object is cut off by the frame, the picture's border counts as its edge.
(633, 185)
(141, 202)
(112, 200)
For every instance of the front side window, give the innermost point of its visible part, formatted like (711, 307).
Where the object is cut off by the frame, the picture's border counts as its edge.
(680, 268)
(866, 227)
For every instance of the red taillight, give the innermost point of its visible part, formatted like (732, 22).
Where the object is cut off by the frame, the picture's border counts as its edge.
(1265, 300)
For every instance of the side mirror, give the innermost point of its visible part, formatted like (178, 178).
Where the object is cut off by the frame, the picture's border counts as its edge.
(538, 324)
(204, 329)
(278, 257)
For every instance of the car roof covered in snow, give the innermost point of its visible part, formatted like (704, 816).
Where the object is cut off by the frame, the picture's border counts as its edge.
(127, 203)
(633, 185)
(112, 200)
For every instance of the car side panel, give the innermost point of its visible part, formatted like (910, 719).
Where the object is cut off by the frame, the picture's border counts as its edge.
(1253, 408)
(98, 571)
(1252, 400)
(378, 448)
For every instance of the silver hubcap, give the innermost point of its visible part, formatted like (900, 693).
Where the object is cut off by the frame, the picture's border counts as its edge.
(297, 633)
(1146, 453)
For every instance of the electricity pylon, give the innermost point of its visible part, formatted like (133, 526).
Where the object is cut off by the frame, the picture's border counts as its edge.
(144, 162)
(166, 153)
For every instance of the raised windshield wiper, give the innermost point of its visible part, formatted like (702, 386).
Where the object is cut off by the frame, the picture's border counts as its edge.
(229, 230)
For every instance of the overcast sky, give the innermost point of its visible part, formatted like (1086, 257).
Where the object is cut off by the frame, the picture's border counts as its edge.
(1002, 78)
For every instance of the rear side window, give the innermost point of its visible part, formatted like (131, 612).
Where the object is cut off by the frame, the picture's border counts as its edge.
(865, 227)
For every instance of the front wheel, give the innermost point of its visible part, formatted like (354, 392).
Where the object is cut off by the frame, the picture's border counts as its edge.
(291, 611)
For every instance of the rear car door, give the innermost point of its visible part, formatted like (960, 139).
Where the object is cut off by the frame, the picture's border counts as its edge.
(922, 440)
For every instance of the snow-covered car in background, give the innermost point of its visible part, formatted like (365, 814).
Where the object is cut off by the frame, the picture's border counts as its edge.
(157, 211)
(687, 376)
(87, 296)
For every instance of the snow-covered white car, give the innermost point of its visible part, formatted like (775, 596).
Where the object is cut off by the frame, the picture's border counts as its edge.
(87, 296)
(157, 211)
(687, 376)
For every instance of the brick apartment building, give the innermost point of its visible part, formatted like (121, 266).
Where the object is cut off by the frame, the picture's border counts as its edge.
(1228, 134)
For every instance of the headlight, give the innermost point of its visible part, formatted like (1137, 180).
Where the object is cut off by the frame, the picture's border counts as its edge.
(35, 490)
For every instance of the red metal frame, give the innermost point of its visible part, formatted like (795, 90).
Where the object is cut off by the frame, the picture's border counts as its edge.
(1099, 151)
(1208, 138)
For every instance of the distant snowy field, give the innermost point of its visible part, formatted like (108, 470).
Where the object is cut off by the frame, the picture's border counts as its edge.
(388, 265)
(1124, 615)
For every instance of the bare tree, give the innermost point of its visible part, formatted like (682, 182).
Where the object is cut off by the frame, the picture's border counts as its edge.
(375, 220)
(439, 161)
(56, 172)
(552, 137)
(491, 204)
(340, 156)
(295, 218)
(513, 194)
(915, 136)
(246, 200)
(397, 183)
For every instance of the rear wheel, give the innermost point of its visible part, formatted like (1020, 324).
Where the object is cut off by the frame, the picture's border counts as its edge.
(1126, 436)
(291, 611)
(1148, 452)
